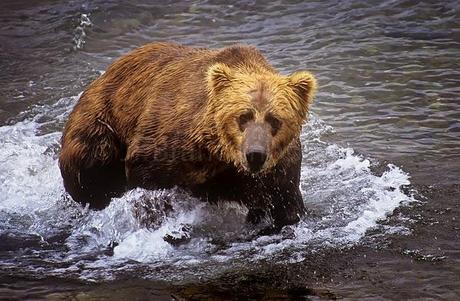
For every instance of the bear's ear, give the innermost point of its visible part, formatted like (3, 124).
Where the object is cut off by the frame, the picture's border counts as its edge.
(303, 84)
(219, 76)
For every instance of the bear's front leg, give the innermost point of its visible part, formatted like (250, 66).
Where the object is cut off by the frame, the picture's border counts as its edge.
(279, 193)
(287, 207)
(275, 194)
(284, 205)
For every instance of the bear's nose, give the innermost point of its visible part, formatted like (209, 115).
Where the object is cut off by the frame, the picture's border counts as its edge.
(256, 160)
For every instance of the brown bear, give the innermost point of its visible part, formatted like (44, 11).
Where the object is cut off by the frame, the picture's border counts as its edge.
(222, 124)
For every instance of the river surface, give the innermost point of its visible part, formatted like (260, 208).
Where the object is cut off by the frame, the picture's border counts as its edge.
(380, 174)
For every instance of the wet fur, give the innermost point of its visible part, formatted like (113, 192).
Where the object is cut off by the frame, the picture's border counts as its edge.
(164, 116)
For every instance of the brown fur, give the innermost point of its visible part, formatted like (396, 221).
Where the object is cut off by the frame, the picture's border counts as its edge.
(166, 115)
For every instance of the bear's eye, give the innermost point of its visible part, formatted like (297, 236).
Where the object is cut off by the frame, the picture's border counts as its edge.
(274, 122)
(244, 119)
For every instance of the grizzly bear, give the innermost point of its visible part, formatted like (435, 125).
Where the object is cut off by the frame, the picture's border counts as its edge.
(222, 124)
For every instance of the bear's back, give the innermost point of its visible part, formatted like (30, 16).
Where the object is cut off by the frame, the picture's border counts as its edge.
(165, 83)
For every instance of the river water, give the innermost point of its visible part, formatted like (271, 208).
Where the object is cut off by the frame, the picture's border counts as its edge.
(381, 156)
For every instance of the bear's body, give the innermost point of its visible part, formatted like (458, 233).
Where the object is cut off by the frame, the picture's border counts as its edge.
(222, 124)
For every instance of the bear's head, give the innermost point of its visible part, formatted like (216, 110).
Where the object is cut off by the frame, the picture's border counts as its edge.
(256, 113)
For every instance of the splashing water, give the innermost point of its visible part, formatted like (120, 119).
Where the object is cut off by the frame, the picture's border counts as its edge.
(345, 198)
(79, 31)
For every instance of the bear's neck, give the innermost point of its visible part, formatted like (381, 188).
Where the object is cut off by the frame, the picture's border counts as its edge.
(205, 136)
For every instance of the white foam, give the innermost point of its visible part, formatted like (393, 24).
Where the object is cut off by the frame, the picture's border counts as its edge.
(384, 195)
(27, 169)
(30, 182)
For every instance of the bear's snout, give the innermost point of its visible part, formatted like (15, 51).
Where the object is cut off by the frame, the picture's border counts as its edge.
(256, 159)
(255, 147)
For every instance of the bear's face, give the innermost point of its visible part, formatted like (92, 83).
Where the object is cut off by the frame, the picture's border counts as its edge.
(257, 114)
